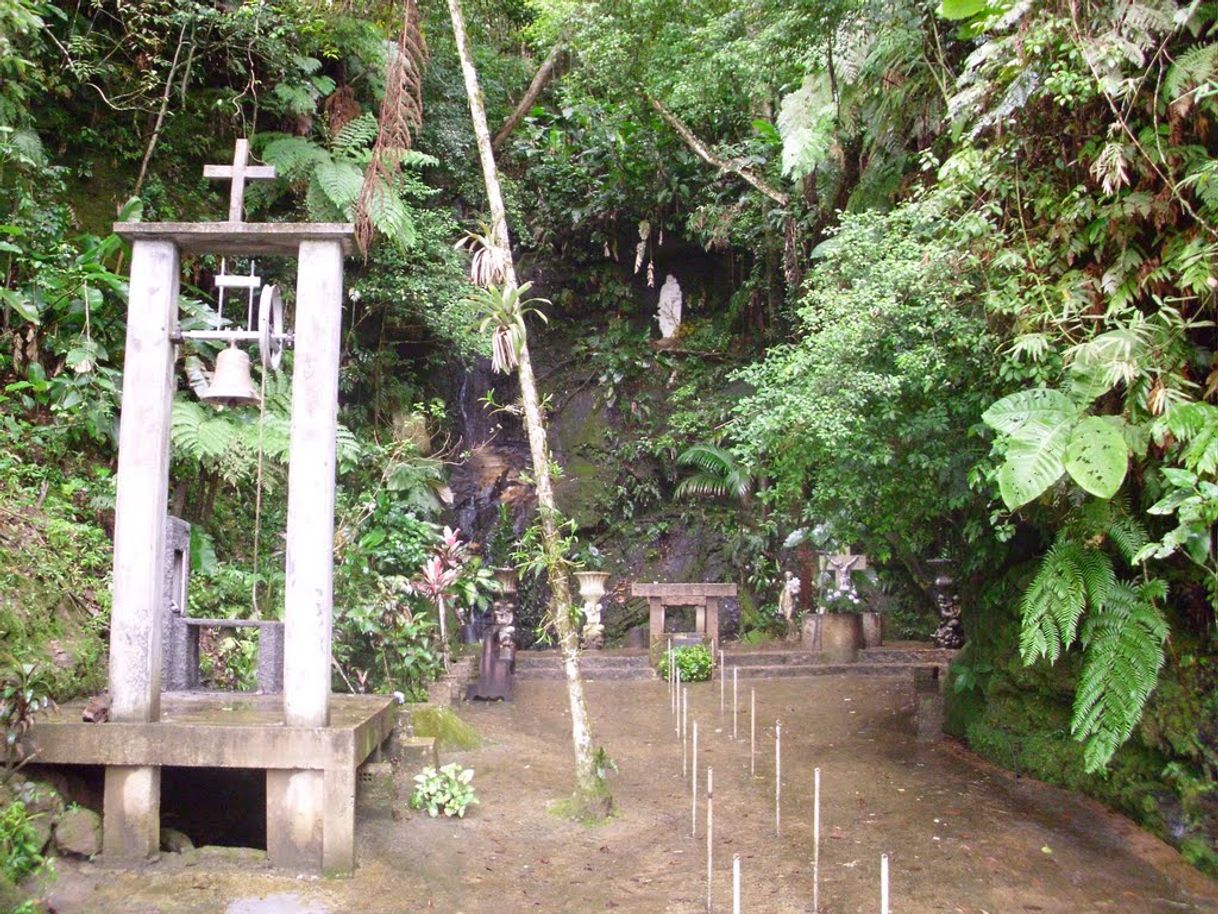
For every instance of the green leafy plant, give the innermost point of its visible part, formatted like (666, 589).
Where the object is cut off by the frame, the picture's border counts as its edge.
(24, 689)
(1044, 435)
(604, 763)
(20, 843)
(448, 790)
(693, 661)
(717, 474)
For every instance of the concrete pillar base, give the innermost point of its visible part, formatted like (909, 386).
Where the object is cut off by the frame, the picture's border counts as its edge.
(295, 816)
(131, 824)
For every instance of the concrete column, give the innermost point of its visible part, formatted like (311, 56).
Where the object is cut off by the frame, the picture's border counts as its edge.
(308, 590)
(295, 813)
(712, 619)
(295, 800)
(655, 607)
(131, 826)
(338, 843)
(131, 823)
(143, 484)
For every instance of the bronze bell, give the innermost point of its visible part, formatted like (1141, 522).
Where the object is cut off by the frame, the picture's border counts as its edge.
(231, 384)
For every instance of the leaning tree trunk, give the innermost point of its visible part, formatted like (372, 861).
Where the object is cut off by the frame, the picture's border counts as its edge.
(591, 795)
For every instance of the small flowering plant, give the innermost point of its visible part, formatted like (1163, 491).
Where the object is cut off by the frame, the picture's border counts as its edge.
(844, 600)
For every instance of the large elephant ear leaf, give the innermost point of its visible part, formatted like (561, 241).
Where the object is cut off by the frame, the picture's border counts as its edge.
(1097, 456)
(1029, 408)
(1034, 460)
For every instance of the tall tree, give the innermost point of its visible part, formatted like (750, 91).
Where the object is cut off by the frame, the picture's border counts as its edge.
(592, 798)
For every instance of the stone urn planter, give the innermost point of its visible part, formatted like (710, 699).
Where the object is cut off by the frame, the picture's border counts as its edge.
(839, 636)
(591, 589)
(873, 628)
(506, 576)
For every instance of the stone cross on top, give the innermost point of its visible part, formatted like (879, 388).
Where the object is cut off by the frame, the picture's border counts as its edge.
(843, 565)
(239, 172)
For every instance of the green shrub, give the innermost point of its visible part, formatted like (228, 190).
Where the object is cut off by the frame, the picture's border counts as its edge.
(447, 790)
(20, 845)
(693, 663)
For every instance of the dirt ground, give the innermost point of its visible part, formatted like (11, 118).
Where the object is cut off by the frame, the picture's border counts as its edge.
(961, 838)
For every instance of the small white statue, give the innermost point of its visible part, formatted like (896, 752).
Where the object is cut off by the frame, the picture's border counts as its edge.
(787, 600)
(669, 314)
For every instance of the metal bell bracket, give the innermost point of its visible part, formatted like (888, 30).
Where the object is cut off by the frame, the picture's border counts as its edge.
(269, 335)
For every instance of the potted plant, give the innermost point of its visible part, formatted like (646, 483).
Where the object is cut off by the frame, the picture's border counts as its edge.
(591, 581)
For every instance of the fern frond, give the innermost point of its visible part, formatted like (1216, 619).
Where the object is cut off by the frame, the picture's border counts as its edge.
(355, 135)
(198, 433)
(1124, 652)
(341, 182)
(1190, 70)
(1053, 604)
(1195, 426)
(1127, 534)
(391, 216)
(294, 157)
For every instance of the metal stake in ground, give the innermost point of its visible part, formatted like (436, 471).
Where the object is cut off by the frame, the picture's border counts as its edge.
(816, 841)
(685, 731)
(752, 733)
(677, 697)
(676, 677)
(735, 884)
(883, 884)
(722, 683)
(693, 818)
(710, 835)
(778, 777)
(734, 697)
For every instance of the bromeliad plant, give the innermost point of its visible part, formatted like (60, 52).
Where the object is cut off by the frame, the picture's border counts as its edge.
(448, 790)
(502, 311)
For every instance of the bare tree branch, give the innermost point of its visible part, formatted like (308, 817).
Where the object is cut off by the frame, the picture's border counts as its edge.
(540, 79)
(734, 166)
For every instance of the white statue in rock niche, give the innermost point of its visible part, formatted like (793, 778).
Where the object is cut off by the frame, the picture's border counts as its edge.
(670, 307)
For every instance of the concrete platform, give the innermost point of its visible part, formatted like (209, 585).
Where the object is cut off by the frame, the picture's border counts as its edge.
(234, 730)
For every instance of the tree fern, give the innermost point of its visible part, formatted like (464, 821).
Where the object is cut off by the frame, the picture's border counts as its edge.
(1123, 643)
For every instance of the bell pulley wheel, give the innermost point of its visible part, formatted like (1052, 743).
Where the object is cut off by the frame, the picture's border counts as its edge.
(271, 337)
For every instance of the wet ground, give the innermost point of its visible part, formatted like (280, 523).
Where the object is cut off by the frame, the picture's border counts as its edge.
(961, 837)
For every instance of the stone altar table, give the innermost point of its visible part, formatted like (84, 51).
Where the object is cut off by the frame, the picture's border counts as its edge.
(703, 597)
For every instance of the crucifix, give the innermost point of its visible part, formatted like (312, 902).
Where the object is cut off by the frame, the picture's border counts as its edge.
(239, 172)
(843, 565)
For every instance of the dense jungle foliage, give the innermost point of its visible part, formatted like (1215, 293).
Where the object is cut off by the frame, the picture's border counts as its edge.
(950, 276)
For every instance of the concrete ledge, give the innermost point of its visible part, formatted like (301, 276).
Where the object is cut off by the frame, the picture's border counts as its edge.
(219, 730)
(238, 238)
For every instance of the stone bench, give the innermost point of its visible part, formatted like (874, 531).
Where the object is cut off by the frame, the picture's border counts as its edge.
(182, 652)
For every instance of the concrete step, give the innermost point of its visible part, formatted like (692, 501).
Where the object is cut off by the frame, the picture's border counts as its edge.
(770, 658)
(795, 671)
(588, 660)
(590, 674)
(885, 654)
